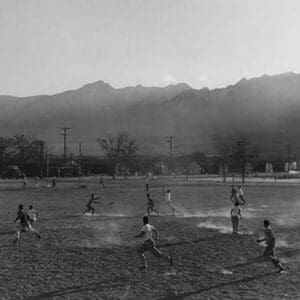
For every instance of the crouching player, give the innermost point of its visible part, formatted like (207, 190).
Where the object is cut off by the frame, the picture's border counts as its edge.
(24, 224)
(147, 235)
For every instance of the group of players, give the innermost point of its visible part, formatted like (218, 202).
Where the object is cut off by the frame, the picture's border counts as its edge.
(24, 220)
(150, 202)
(237, 197)
(148, 232)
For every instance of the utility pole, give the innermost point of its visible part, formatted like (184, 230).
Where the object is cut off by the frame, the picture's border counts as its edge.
(79, 164)
(288, 146)
(47, 162)
(79, 148)
(170, 142)
(64, 134)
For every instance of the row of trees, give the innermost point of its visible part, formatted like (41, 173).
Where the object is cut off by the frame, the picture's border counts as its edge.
(122, 153)
(234, 156)
(17, 149)
(120, 150)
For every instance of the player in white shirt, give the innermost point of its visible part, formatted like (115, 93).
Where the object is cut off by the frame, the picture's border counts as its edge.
(168, 199)
(24, 183)
(33, 214)
(234, 195)
(101, 182)
(148, 244)
(240, 192)
(37, 182)
(270, 240)
(235, 216)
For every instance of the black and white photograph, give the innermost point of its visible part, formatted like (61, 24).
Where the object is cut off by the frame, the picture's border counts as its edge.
(149, 149)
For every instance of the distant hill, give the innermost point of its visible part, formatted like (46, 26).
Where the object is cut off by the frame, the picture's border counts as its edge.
(266, 110)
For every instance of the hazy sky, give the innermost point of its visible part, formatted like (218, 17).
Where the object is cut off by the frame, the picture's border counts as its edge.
(48, 46)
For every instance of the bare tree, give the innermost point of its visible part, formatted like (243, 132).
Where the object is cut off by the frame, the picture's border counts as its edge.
(129, 153)
(243, 157)
(224, 145)
(224, 152)
(120, 150)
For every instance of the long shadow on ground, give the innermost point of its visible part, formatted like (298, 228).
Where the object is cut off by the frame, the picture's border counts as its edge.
(117, 282)
(165, 245)
(220, 285)
(7, 232)
(260, 258)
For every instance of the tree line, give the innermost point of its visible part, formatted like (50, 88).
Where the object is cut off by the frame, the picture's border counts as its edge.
(123, 155)
(19, 149)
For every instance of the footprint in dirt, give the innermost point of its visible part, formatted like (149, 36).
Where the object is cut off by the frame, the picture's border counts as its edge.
(126, 292)
(226, 272)
(171, 272)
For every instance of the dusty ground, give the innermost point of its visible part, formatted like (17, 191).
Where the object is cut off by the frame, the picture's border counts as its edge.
(84, 257)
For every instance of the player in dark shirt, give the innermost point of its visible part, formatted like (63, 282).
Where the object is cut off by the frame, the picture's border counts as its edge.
(150, 205)
(147, 183)
(89, 206)
(24, 224)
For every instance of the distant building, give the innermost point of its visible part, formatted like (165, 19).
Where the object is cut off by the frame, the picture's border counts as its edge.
(195, 169)
(160, 168)
(71, 169)
(223, 169)
(290, 166)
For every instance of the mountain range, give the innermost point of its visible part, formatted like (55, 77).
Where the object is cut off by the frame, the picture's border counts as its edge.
(264, 110)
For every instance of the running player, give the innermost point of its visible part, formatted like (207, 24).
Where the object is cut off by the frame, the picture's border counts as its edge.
(33, 215)
(148, 244)
(240, 194)
(24, 183)
(89, 206)
(234, 195)
(147, 183)
(167, 194)
(37, 182)
(270, 240)
(53, 182)
(235, 216)
(101, 182)
(150, 205)
(24, 224)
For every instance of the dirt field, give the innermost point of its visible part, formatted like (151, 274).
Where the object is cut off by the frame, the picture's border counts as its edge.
(84, 257)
